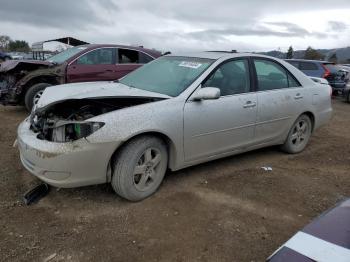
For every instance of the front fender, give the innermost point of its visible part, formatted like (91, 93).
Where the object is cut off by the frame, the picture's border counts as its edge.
(163, 117)
(51, 75)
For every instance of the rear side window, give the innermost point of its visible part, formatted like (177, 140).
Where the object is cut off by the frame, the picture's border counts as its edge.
(102, 56)
(308, 66)
(126, 56)
(272, 76)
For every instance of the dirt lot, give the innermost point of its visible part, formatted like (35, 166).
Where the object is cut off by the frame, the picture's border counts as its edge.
(226, 210)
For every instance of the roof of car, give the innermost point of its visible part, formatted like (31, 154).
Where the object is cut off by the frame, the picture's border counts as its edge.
(216, 55)
(308, 60)
(139, 48)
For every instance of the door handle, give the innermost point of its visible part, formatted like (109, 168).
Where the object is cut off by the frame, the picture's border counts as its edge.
(249, 104)
(298, 96)
(108, 70)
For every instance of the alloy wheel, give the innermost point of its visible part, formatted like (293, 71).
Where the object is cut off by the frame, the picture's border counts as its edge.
(146, 171)
(300, 133)
(37, 96)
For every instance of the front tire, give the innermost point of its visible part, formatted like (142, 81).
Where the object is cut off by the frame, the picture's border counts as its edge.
(298, 136)
(139, 168)
(33, 95)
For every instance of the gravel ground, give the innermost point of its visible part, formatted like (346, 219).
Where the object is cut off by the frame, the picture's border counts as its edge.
(225, 210)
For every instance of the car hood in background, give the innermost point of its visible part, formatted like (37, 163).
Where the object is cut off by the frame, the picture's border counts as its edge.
(320, 80)
(61, 93)
(11, 64)
(327, 238)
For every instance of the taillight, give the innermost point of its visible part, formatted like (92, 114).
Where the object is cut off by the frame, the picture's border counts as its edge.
(327, 73)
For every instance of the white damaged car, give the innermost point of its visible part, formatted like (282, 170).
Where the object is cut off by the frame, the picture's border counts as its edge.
(174, 112)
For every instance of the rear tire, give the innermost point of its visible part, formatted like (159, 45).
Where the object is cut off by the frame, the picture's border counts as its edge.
(33, 94)
(298, 136)
(139, 168)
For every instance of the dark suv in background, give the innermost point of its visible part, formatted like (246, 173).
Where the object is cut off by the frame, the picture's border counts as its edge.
(4, 57)
(335, 75)
(23, 81)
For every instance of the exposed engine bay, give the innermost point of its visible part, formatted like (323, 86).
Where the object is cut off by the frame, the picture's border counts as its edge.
(67, 121)
(7, 82)
(15, 74)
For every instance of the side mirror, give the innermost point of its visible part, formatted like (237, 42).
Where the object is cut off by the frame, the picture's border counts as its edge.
(206, 93)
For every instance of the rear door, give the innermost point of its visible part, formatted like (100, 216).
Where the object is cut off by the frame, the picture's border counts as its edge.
(95, 65)
(128, 60)
(280, 100)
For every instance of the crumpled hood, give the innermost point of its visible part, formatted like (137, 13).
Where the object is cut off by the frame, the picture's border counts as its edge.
(60, 93)
(11, 64)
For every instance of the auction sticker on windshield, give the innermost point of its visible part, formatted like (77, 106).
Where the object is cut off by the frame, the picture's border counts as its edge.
(194, 65)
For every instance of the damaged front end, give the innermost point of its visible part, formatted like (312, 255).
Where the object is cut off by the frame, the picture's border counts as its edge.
(68, 120)
(14, 75)
(7, 85)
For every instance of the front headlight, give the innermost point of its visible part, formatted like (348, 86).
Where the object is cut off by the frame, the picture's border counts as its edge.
(71, 131)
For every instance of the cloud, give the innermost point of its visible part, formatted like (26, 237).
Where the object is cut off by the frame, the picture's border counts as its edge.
(180, 25)
(282, 29)
(226, 11)
(55, 14)
(337, 26)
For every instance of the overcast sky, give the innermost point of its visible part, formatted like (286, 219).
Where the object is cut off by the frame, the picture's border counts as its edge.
(245, 25)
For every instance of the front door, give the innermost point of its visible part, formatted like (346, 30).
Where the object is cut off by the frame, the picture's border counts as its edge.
(214, 127)
(96, 65)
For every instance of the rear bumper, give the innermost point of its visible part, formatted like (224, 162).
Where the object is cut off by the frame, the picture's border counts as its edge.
(323, 117)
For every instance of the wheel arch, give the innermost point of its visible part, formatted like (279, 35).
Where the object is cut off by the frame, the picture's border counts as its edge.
(171, 148)
(312, 118)
(50, 79)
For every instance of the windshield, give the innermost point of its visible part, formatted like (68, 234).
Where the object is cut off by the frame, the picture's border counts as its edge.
(167, 75)
(66, 54)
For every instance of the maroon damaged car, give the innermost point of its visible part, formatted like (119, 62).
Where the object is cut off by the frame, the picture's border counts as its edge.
(23, 82)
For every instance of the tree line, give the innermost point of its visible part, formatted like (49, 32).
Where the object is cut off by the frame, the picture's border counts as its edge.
(9, 45)
(312, 54)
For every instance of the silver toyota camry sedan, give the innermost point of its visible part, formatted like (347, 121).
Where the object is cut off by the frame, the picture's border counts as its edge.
(175, 112)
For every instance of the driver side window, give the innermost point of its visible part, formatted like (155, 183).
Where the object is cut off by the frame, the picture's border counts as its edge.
(231, 78)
